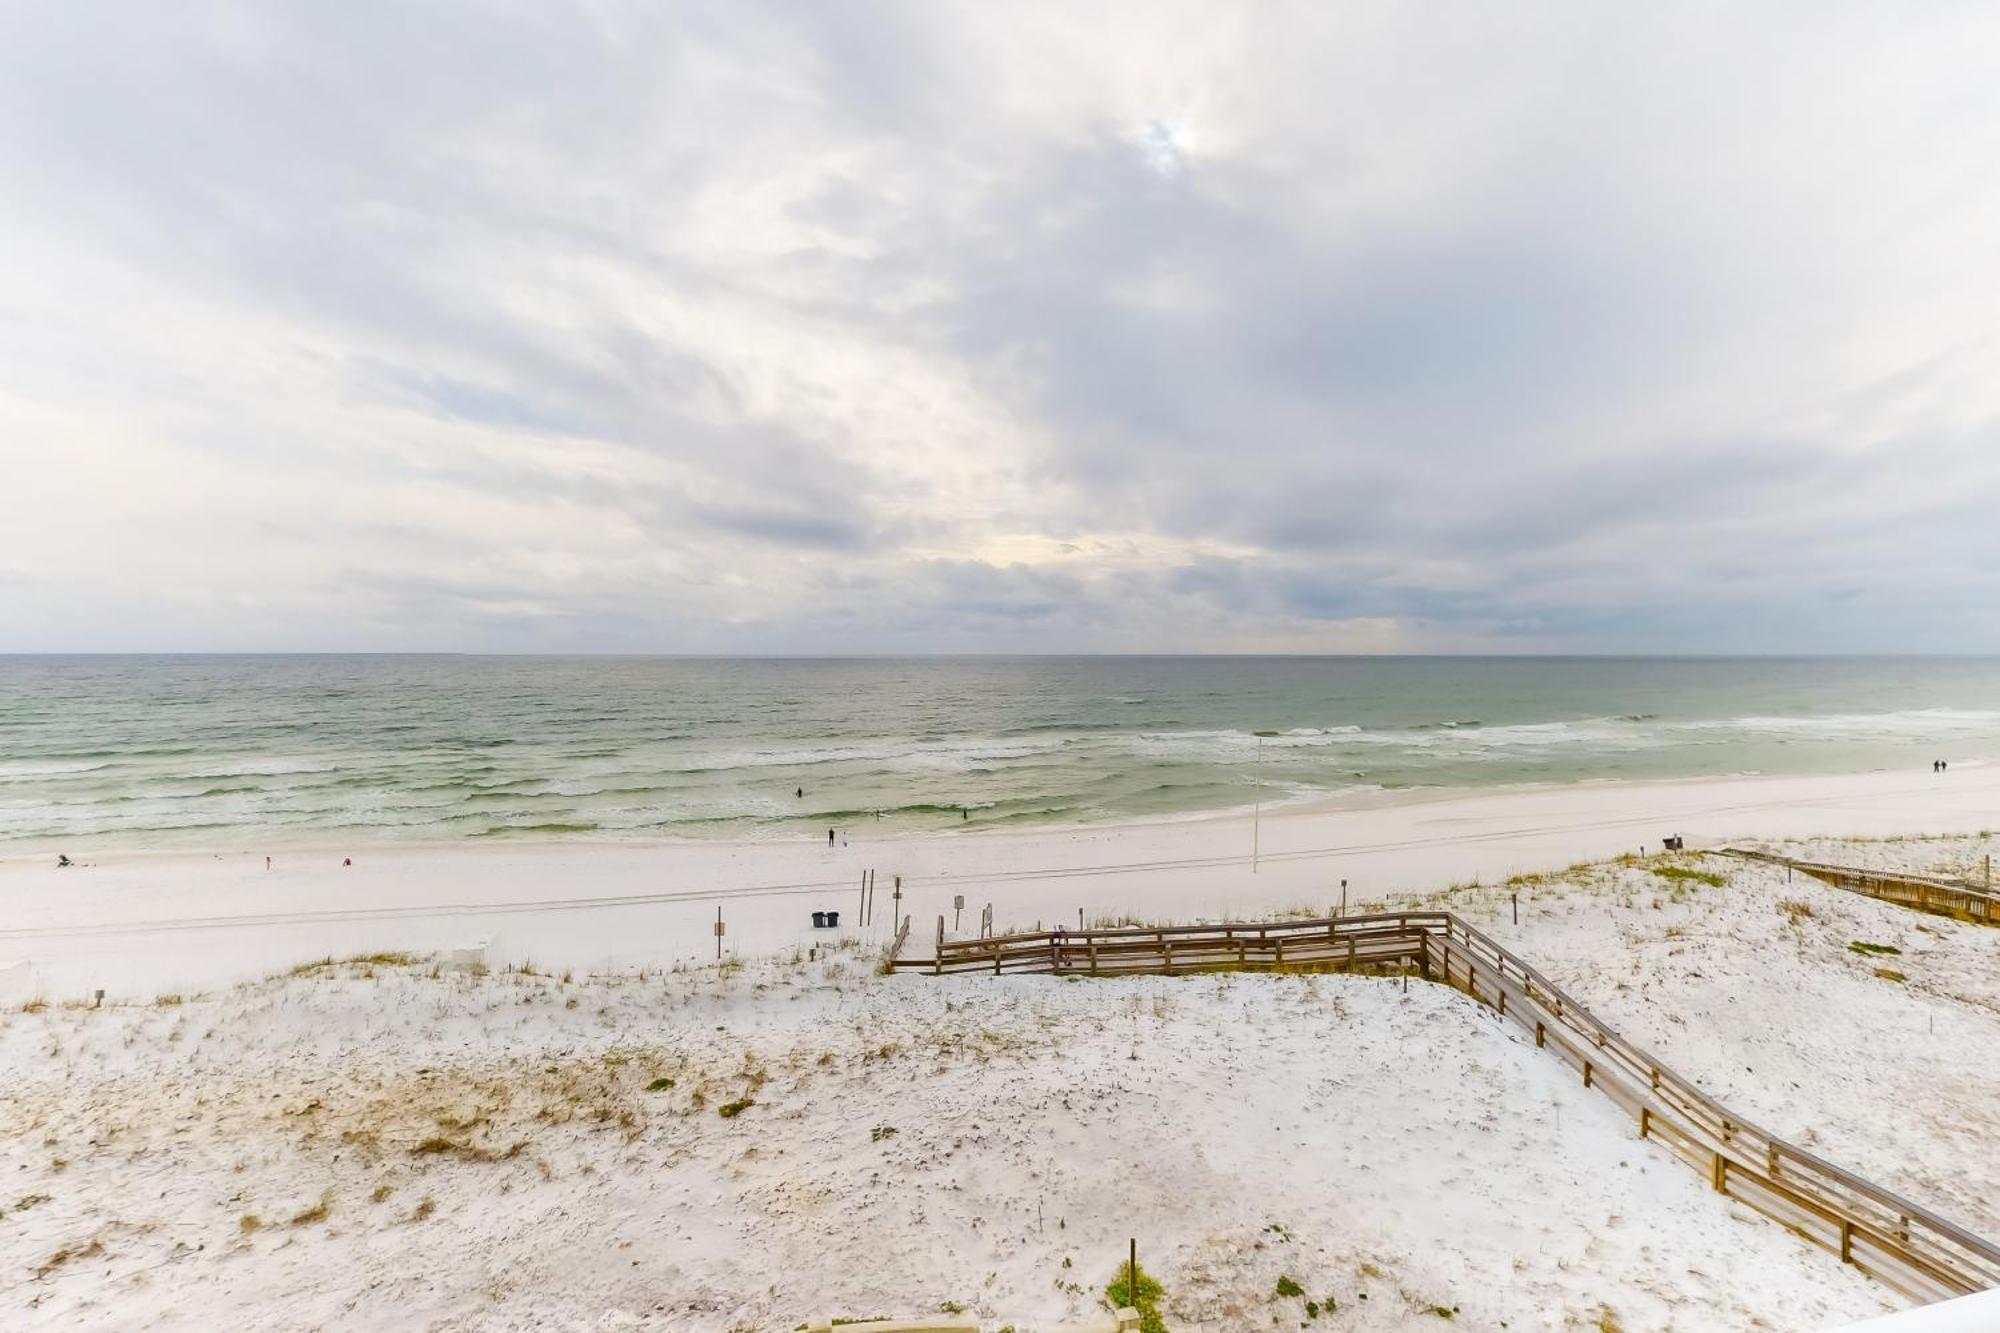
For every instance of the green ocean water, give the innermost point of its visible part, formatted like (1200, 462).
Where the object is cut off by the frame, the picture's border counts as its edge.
(229, 752)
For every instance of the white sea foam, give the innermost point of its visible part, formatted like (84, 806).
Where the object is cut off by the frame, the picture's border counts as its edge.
(444, 747)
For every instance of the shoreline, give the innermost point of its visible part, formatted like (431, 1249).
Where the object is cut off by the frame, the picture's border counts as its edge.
(143, 923)
(312, 842)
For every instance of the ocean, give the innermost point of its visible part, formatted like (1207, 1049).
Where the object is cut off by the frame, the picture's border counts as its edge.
(229, 753)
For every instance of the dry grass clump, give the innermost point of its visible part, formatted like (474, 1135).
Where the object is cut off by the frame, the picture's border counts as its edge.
(316, 1213)
(66, 1254)
(437, 1145)
(1795, 909)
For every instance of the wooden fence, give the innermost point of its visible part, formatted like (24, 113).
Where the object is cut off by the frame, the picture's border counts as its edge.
(1926, 893)
(1909, 1248)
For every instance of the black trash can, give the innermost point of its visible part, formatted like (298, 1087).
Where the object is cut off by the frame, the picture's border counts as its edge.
(819, 920)
(833, 920)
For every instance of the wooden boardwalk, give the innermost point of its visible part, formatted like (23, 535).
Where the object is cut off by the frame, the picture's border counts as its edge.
(1926, 893)
(1902, 1244)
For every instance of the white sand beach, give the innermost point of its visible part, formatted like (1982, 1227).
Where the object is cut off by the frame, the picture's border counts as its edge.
(387, 1143)
(137, 925)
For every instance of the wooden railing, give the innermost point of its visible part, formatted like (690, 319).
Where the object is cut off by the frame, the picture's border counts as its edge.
(1885, 1235)
(1926, 893)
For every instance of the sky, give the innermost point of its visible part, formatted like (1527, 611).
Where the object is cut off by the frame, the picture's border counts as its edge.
(873, 328)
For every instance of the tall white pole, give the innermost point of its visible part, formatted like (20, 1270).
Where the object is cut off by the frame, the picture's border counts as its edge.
(1257, 802)
(1257, 806)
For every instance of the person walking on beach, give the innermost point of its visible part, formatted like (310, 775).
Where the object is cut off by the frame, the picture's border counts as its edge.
(800, 793)
(829, 837)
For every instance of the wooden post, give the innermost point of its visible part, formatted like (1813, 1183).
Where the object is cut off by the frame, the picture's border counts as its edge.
(937, 958)
(1132, 1277)
(1517, 908)
(1343, 897)
(1846, 1241)
(1719, 1174)
(896, 902)
(718, 932)
(861, 908)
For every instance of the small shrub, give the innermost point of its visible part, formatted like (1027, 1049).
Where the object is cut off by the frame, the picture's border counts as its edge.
(425, 1207)
(1795, 909)
(249, 1222)
(660, 1084)
(1146, 1300)
(381, 1192)
(1890, 974)
(1288, 1288)
(881, 1132)
(1682, 875)
(1864, 947)
(730, 1110)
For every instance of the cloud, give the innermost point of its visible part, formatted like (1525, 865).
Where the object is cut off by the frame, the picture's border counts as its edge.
(769, 327)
